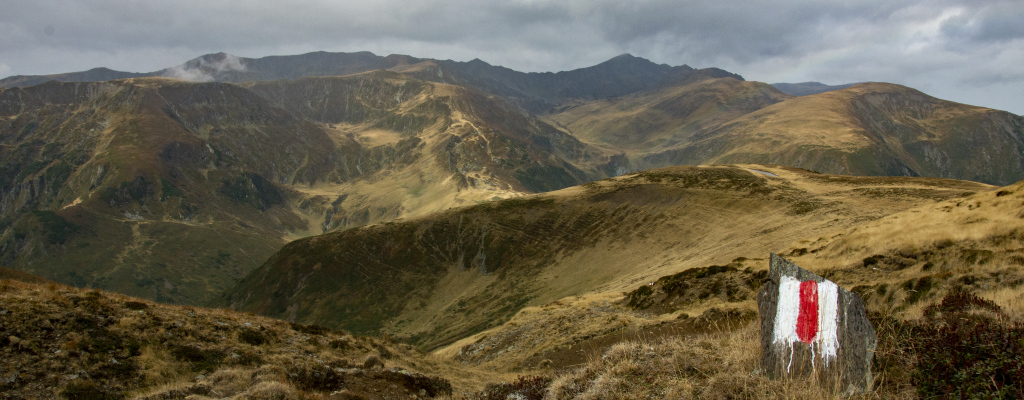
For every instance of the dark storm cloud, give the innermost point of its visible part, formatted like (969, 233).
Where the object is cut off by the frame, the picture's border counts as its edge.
(964, 50)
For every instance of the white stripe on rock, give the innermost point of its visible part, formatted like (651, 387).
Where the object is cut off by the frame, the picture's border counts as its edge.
(828, 321)
(788, 311)
(826, 342)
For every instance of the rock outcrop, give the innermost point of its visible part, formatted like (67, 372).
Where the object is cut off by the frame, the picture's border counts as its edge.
(811, 327)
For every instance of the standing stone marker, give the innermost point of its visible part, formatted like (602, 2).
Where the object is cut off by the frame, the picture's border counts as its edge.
(811, 327)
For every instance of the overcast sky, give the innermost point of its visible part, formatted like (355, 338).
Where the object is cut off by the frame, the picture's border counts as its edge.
(970, 51)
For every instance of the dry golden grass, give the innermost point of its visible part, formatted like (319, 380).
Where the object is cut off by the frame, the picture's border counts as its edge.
(848, 219)
(645, 226)
(974, 243)
(971, 243)
(653, 121)
(718, 365)
(61, 341)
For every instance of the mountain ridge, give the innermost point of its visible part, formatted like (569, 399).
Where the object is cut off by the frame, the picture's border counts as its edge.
(809, 88)
(440, 277)
(534, 90)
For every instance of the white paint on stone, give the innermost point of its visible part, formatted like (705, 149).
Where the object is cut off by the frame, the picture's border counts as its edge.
(828, 321)
(825, 343)
(788, 311)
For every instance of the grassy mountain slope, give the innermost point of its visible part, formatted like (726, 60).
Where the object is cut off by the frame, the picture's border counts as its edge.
(55, 339)
(902, 265)
(974, 243)
(157, 188)
(874, 129)
(172, 190)
(15, 275)
(664, 118)
(809, 88)
(428, 146)
(441, 277)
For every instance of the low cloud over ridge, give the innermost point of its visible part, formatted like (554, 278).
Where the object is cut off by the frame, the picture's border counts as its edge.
(966, 51)
(206, 69)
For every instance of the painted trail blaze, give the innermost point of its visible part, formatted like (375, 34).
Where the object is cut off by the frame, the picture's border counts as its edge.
(807, 319)
(813, 328)
(807, 315)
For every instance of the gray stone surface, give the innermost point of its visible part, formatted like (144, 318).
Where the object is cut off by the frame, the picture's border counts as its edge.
(850, 371)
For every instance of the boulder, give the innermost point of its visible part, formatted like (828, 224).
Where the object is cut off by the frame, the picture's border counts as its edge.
(813, 329)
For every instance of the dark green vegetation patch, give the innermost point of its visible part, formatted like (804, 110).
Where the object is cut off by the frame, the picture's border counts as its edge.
(964, 347)
(670, 293)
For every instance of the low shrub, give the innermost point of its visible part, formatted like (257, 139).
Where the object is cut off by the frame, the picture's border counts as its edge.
(963, 347)
(88, 390)
(967, 349)
(315, 377)
(252, 337)
(201, 359)
(524, 388)
(135, 305)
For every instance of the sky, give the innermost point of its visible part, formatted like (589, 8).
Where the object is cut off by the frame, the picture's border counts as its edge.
(969, 51)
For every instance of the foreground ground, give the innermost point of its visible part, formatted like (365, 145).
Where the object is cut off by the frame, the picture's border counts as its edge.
(941, 280)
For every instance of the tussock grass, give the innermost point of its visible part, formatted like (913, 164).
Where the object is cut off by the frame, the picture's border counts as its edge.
(718, 365)
(57, 341)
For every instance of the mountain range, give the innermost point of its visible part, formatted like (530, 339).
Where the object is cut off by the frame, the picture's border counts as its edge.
(116, 183)
(506, 221)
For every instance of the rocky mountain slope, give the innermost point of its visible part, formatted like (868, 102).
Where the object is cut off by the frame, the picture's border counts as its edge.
(442, 277)
(172, 190)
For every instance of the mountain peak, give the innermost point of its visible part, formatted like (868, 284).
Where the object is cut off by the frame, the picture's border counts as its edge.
(627, 59)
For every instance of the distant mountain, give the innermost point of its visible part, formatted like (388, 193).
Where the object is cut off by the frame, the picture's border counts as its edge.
(15, 275)
(665, 117)
(171, 190)
(164, 189)
(809, 88)
(92, 75)
(537, 92)
(868, 129)
(222, 67)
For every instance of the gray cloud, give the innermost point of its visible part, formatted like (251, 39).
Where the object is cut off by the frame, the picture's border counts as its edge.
(206, 69)
(962, 50)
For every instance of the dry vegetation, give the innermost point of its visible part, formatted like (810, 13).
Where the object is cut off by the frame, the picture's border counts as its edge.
(942, 283)
(446, 276)
(58, 341)
(676, 330)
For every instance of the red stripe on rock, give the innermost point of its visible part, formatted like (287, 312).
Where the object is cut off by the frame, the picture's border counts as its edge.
(807, 321)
